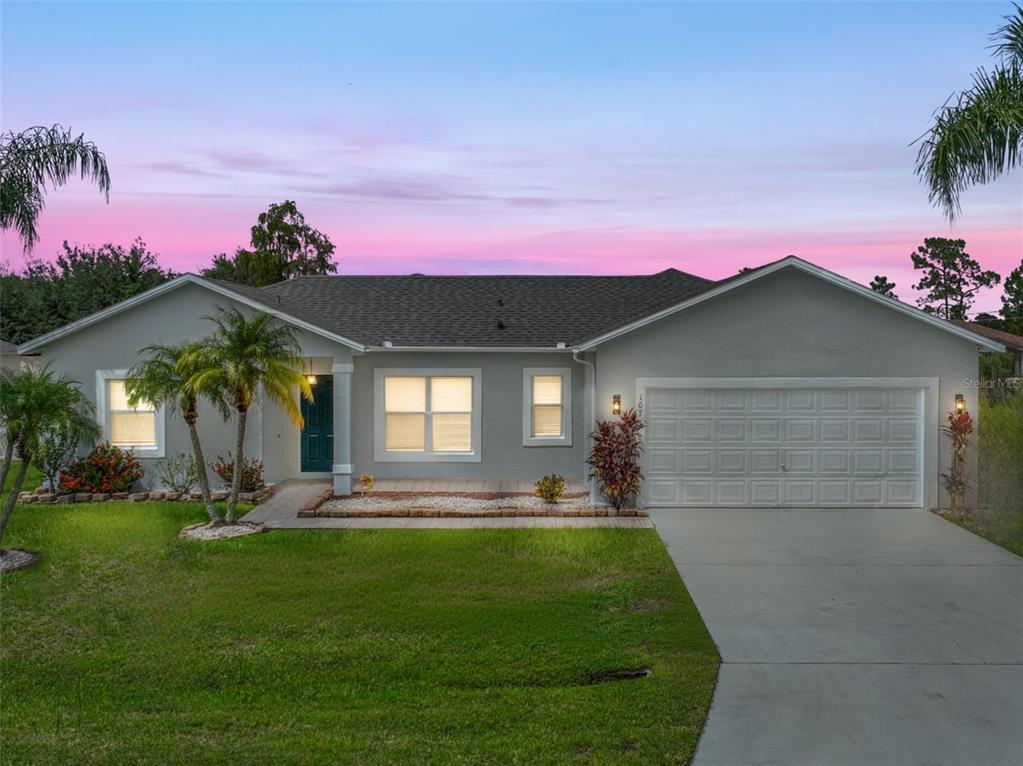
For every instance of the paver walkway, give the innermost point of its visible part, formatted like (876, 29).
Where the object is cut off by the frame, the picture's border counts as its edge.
(852, 637)
(291, 495)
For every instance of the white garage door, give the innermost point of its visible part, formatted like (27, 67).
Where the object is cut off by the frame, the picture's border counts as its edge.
(788, 446)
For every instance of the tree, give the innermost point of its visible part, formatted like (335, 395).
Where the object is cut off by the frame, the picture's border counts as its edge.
(951, 277)
(977, 134)
(880, 284)
(241, 356)
(1012, 298)
(283, 246)
(81, 281)
(34, 158)
(165, 377)
(33, 401)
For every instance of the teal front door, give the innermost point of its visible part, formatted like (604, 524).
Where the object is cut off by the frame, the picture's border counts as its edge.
(318, 431)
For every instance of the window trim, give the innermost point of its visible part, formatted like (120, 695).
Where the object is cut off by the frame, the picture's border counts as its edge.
(382, 455)
(565, 440)
(159, 450)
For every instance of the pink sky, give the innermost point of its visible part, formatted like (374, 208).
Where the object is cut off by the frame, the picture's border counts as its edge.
(616, 139)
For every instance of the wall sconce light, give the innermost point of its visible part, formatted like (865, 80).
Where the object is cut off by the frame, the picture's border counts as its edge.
(960, 404)
(310, 379)
(616, 404)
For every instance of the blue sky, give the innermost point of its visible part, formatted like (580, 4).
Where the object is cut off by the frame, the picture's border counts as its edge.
(470, 138)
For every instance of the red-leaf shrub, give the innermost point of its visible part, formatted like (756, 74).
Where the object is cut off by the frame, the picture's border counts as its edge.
(105, 469)
(252, 472)
(958, 430)
(614, 458)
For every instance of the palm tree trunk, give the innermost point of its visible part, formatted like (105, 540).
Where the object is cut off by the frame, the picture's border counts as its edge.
(239, 463)
(12, 497)
(8, 459)
(200, 471)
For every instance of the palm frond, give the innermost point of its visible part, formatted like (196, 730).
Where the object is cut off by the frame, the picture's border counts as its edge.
(975, 139)
(33, 158)
(1008, 39)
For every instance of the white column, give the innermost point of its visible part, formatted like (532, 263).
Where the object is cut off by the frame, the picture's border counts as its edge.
(342, 469)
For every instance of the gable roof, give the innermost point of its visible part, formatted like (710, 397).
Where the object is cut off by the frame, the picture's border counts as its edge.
(488, 312)
(1007, 339)
(249, 296)
(799, 264)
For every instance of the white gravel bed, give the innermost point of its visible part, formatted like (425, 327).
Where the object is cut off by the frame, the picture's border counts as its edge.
(13, 559)
(223, 532)
(382, 503)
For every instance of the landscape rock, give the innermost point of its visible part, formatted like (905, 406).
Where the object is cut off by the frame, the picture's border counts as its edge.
(100, 497)
(138, 497)
(119, 496)
(220, 494)
(83, 497)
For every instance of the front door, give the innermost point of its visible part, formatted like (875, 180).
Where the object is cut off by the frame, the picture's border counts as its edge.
(318, 431)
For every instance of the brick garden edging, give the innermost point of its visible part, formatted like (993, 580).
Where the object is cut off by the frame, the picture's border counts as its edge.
(42, 497)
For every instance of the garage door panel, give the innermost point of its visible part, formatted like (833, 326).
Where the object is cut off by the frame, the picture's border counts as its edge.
(825, 446)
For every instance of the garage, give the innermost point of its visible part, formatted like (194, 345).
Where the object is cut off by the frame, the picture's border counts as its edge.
(784, 443)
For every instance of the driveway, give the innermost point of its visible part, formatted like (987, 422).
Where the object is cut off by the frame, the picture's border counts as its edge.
(854, 637)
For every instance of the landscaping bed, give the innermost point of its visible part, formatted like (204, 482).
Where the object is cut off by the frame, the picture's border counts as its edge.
(127, 645)
(457, 505)
(45, 497)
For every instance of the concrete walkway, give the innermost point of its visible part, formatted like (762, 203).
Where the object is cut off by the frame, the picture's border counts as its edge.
(883, 637)
(281, 512)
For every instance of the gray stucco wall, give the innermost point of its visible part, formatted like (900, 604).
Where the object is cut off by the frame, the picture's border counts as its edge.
(503, 454)
(792, 324)
(177, 317)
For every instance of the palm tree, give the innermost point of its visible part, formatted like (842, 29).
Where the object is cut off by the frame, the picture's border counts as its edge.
(241, 356)
(164, 377)
(32, 401)
(977, 134)
(37, 156)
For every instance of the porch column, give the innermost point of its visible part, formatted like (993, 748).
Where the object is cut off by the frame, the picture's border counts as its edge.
(342, 468)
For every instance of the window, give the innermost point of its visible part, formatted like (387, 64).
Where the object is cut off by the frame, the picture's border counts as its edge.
(547, 406)
(139, 428)
(427, 415)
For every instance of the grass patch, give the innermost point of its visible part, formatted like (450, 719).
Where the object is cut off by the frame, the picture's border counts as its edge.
(33, 479)
(999, 516)
(127, 645)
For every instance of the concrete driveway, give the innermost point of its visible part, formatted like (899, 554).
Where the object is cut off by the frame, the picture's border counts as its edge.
(854, 637)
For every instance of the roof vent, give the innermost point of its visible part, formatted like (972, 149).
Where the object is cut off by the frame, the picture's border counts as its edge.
(500, 301)
(500, 324)
(388, 344)
(417, 274)
(278, 300)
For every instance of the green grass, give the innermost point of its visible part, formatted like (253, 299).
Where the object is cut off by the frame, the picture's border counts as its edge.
(1004, 528)
(127, 645)
(32, 479)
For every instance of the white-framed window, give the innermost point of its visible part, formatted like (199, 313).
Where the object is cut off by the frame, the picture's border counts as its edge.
(427, 415)
(139, 429)
(547, 406)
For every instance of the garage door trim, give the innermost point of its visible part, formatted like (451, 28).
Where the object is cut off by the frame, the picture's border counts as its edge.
(929, 438)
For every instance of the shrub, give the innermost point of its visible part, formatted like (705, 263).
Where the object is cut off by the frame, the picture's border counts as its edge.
(550, 488)
(252, 472)
(105, 469)
(614, 458)
(178, 473)
(56, 450)
(367, 483)
(1000, 453)
(958, 430)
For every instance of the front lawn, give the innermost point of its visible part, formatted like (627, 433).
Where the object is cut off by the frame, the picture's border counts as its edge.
(127, 645)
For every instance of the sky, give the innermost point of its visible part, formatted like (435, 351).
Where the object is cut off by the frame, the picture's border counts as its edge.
(511, 138)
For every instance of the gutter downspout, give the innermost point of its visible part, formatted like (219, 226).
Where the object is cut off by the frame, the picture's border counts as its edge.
(591, 395)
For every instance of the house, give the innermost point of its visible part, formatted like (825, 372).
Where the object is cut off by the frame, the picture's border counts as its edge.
(1013, 343)
(11, 360)
(787, 385)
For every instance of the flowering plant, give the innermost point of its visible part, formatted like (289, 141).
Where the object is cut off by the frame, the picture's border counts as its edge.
(367, 483)
(106, 469)
(252, 472)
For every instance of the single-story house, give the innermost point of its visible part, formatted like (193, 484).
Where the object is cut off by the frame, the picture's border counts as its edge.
(787, 385)
(1012, 342)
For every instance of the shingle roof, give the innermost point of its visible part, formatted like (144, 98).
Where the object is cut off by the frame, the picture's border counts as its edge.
(1007, 339)
(515, 311)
